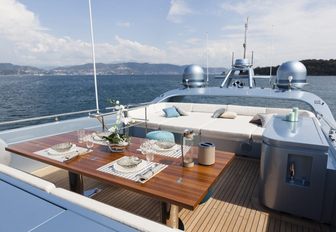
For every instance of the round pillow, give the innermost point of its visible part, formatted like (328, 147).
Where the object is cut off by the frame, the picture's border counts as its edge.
(5, 156)
(163, 136)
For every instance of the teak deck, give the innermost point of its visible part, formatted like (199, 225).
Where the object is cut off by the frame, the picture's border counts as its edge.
(233, 207)
(187, 193)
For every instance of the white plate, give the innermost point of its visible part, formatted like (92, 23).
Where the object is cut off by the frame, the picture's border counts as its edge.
(53, 152)
(121, 169)
(159, 149)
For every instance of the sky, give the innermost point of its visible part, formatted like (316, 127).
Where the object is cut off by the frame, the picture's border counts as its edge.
(48, 33)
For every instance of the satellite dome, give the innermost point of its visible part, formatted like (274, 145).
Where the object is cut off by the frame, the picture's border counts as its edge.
(291, 74)
(193, 76)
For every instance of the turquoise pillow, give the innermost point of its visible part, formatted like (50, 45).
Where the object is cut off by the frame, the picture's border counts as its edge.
(171, 112)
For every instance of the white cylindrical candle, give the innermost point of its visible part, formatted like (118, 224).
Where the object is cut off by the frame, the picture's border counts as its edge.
(296, 114)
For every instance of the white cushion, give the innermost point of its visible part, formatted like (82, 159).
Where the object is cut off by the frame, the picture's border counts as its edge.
(119, 215)
(246, 110)
(237, 129)
(229, 115)
(5, 156)
(194, 121)
(206, 108)
(28, 178)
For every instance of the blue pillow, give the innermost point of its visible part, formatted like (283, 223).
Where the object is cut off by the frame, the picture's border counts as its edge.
(171, 112)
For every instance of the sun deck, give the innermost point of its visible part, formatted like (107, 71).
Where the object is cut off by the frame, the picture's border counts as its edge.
(234, 205)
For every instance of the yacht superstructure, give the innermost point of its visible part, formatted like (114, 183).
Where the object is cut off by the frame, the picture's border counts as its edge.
(284, 169)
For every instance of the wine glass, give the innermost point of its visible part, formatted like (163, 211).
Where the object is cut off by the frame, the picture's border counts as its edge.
(89, 142)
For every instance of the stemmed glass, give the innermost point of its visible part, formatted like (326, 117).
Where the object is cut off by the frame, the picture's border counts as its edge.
(89, 142)
(147, 150)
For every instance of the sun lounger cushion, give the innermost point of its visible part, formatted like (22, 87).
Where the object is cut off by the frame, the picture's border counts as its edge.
(229, 115)
(28, 178)
(181, 111)
(261, 119)
(171, 112)
(218, 113)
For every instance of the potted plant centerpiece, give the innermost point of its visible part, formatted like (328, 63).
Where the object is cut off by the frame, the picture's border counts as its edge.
(118, 139)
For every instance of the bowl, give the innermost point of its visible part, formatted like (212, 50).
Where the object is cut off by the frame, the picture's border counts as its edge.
(129, 161)
(62, 147)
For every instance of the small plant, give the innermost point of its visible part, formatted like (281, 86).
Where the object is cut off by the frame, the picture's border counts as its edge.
(116, 137)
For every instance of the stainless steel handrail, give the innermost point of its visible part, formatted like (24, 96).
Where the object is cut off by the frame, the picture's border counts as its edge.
(100, 116)
(56, 116)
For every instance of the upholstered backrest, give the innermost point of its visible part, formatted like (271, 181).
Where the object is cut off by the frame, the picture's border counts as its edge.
(5, 156)
(206, 108)
(246, 110)
(26, 177)
(137, 222)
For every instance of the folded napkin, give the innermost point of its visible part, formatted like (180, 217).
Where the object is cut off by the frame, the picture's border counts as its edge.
(63, 156)
(149, 173)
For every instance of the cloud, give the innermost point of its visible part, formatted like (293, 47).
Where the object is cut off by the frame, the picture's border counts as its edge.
(293, 30)
(178, 9)
(31, 43)
(123, 24)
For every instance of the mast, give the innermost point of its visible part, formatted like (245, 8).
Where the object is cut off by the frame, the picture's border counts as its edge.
(245, 39)
(207, 59)
(93, 58)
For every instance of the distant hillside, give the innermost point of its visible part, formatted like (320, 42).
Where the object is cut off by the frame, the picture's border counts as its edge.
(130, 68)
(120, 69)
(11, 69)
(314, 68)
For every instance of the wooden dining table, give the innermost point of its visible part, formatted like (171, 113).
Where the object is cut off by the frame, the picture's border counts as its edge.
(175, 186)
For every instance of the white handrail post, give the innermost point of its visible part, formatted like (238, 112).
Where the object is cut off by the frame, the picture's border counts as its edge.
(93, 58)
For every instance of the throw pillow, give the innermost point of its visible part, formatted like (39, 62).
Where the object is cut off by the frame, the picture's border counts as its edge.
(261, 119)
(218, 113)
(171, 112)
(181, 112)
(229, 115)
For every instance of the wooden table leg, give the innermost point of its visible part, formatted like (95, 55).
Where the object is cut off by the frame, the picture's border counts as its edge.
(169, 216)
(77, 185)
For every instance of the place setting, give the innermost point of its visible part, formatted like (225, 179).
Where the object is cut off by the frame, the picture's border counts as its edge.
(164, 148)
(67, 151)
(134, 168)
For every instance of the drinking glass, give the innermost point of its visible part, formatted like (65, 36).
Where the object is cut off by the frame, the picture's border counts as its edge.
(81, 135)
(89, 142)
(149, 155)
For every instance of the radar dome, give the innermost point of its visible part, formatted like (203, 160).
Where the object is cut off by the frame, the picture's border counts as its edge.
(291, 74)
(193, 76)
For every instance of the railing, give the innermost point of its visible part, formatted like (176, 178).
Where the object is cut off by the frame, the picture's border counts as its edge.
(100, 116)
(54, 116)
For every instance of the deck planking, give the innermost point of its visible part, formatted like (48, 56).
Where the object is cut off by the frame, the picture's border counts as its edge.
(234, 205)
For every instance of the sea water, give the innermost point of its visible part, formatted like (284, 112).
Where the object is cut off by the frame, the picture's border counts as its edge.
(31, 96)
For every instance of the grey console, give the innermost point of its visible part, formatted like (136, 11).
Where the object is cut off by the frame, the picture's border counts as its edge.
(293, 168)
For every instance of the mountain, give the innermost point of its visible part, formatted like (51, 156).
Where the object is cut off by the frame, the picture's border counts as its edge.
(314, 68)
(11, 69)
(130, 68)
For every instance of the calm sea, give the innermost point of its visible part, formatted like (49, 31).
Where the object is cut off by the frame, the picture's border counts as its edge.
(25, 96)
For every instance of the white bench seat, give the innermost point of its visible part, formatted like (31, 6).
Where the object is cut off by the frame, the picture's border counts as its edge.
(199, 119)
(27, 178)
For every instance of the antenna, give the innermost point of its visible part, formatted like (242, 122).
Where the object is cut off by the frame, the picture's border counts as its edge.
(207, 59)
(93, 58)
(245, 39)
(252, 59)
(271, 51)
(232, 59)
